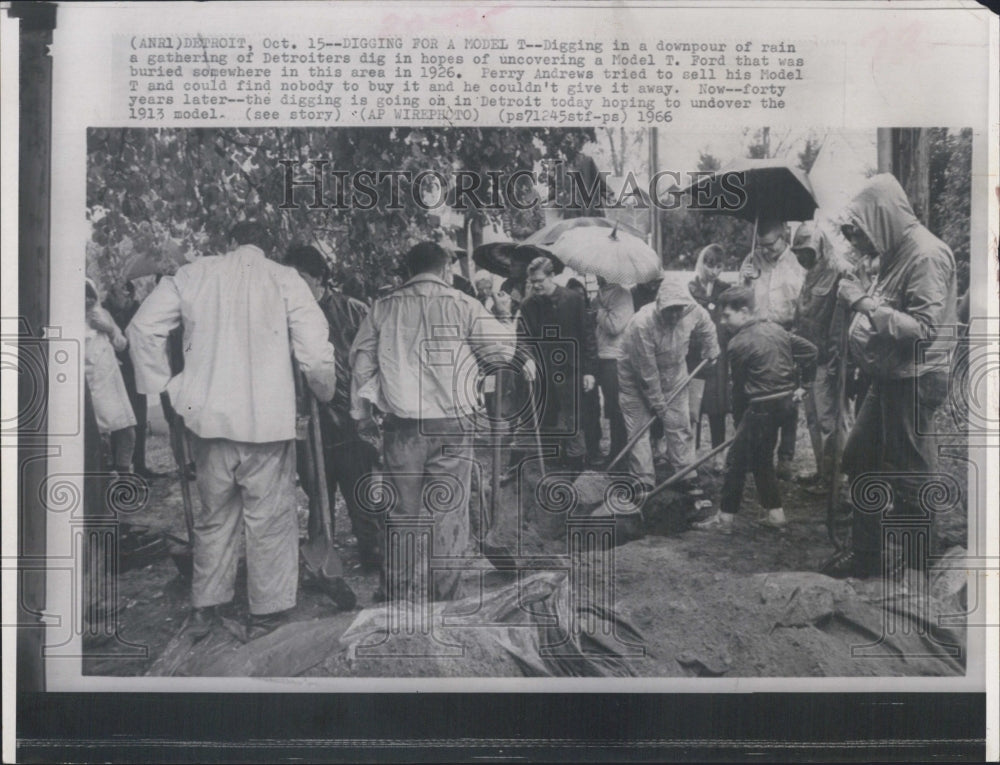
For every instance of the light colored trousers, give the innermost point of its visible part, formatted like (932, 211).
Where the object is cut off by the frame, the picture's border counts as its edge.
(677, 434)
(252, 486)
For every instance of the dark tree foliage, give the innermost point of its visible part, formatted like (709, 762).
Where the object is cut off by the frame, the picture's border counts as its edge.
(160, 192)
(950, 194)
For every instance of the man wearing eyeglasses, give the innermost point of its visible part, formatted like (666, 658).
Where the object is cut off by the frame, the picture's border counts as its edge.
(898, 336)
(774, 273)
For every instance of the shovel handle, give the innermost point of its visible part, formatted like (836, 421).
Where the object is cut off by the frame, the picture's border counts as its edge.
(319, 463)
(642, 431)
(178, 432)
(676, 477)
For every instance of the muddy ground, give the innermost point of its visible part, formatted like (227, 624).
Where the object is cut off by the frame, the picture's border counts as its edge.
(701, 599)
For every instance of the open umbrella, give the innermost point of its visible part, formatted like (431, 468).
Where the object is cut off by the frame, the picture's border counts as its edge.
(498, 257)
(754, 190)
(615, 255)
(550, 234)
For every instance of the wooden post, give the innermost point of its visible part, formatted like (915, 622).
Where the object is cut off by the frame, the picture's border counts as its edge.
(654, 211)
(34, 152)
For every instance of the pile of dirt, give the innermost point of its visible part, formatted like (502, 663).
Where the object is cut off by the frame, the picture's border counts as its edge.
(659, 613)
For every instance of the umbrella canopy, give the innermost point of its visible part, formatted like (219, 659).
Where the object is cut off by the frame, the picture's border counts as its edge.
(550, 234)
(615, 255)
(774, 190)
(498, 257)
(166, 260)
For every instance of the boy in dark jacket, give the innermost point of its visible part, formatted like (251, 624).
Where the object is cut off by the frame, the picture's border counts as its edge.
(768, 364)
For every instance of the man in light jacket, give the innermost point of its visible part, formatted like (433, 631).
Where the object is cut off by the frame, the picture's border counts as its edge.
(243, 317)
(898, 337)
(653, 364)
(415, 359)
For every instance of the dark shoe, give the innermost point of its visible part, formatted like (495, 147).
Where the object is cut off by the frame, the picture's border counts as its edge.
(202, 621)
(260, 625)
(340, 592)
(851, 564)
(784, 470)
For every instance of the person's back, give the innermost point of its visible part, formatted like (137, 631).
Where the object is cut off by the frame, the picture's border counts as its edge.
(243, 316)
(426, 332)
(237, 311)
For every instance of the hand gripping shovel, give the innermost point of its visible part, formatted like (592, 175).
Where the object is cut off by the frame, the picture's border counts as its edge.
(319, 555)
(592, 486)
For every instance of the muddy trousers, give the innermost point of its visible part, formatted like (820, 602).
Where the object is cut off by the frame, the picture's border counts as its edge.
(428, 465)
(676, 433)
(753, 451)
(821, 404)
(891, 436)
(252, 487)
(348, 463)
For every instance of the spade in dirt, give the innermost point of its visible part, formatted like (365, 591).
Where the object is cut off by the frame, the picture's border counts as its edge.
(592, 487)
(318, 554)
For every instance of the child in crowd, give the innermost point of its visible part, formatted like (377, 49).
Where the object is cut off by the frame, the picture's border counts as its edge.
(768, 364)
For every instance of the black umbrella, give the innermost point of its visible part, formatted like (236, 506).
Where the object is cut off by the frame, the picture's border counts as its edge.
(755, 190)
(497, 257)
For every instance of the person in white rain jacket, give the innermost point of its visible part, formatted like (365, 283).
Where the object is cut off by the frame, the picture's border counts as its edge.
(652, 366)
(243, 317)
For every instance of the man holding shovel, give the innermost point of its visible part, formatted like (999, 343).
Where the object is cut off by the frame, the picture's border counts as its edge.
(651, 374)
(244, 316)
(415, 359)
(820, 320)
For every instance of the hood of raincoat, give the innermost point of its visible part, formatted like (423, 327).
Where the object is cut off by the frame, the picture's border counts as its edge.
(673, 292)
(882, 210)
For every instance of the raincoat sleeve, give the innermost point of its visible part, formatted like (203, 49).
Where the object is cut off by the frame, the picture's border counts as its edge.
(925, 298)
(364, 368)
(804, 355)
(309, 333)
(101, 320)
(705, 335)
(642, 353)
(614, 309)
(147, 337)
(736, 352)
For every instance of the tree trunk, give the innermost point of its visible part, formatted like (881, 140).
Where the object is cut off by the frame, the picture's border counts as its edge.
(905, 152)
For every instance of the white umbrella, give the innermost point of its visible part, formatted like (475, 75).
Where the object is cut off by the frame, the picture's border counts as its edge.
(618, 257)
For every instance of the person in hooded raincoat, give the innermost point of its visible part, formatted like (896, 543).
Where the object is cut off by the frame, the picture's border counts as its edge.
(820, 320)
(652, 366)
(109, 397)
(898, 336)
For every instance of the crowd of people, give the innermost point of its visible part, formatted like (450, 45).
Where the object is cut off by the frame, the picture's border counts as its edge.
(801, 325)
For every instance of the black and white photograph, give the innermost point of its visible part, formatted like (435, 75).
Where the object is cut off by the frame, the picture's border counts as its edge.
(439, 381)
(414, 402)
